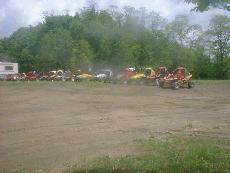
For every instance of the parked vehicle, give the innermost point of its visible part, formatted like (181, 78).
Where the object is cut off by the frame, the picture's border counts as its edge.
(160, 74)
(42, 76)
(68, 76)
(104, 75)
(136, 78)
(51, 75)
(58, 75)
(31, 76)
(149, 77)
(80, 76)
(13, 77)
(179, 78)
(125, 75)
(7, 68)
(22, 76)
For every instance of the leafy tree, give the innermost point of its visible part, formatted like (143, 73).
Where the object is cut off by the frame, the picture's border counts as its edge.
(156, 21)
(181, 31)
(77, 29)
(56, 50)
(218, 37)
(204, 5)
(103, 53)
(82, 55)
(57, 21)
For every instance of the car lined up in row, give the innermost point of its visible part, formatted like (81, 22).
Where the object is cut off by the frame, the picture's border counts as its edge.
(145, 76)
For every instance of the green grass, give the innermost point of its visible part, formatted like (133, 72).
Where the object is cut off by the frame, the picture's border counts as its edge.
(178, 154)
(93, 84)
(212, 82)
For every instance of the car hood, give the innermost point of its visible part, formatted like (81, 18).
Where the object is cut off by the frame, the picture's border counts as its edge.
(99, 75)
(138, 76)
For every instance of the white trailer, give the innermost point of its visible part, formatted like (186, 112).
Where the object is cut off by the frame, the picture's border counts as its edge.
(8, 68)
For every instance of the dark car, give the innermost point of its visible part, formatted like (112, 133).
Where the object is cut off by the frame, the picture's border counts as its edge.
(104, 75)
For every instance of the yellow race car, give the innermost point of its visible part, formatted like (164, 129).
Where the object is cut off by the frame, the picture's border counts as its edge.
(83, 76)
(140, 77)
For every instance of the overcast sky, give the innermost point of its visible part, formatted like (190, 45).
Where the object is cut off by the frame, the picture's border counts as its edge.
(17, 13)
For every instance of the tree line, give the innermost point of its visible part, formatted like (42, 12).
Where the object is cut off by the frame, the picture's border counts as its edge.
(118, 38)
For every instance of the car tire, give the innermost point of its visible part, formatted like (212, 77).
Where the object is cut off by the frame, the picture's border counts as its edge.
(190, 84)
(157, 82)
(176, 85)
(161, 83)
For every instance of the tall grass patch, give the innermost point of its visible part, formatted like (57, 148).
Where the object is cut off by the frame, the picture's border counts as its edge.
(177, 154)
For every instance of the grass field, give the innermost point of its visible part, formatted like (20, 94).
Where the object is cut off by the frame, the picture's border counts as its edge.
(96, 127)
(173, 154)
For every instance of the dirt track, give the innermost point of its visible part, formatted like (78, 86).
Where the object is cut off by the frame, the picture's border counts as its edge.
(47, 129)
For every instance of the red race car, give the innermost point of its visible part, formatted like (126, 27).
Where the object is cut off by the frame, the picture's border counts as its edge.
(13, 77)
(125, 75)
(31, 76)
(179, 78)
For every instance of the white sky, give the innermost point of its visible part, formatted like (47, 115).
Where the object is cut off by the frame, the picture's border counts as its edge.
(17, 13)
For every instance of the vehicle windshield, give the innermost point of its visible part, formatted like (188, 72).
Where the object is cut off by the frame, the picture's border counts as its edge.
(106, 72)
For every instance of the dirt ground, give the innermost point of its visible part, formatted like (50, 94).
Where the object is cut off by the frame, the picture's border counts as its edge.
(49, 127)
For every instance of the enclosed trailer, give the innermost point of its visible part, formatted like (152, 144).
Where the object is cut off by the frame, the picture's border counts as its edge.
(8, 68)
